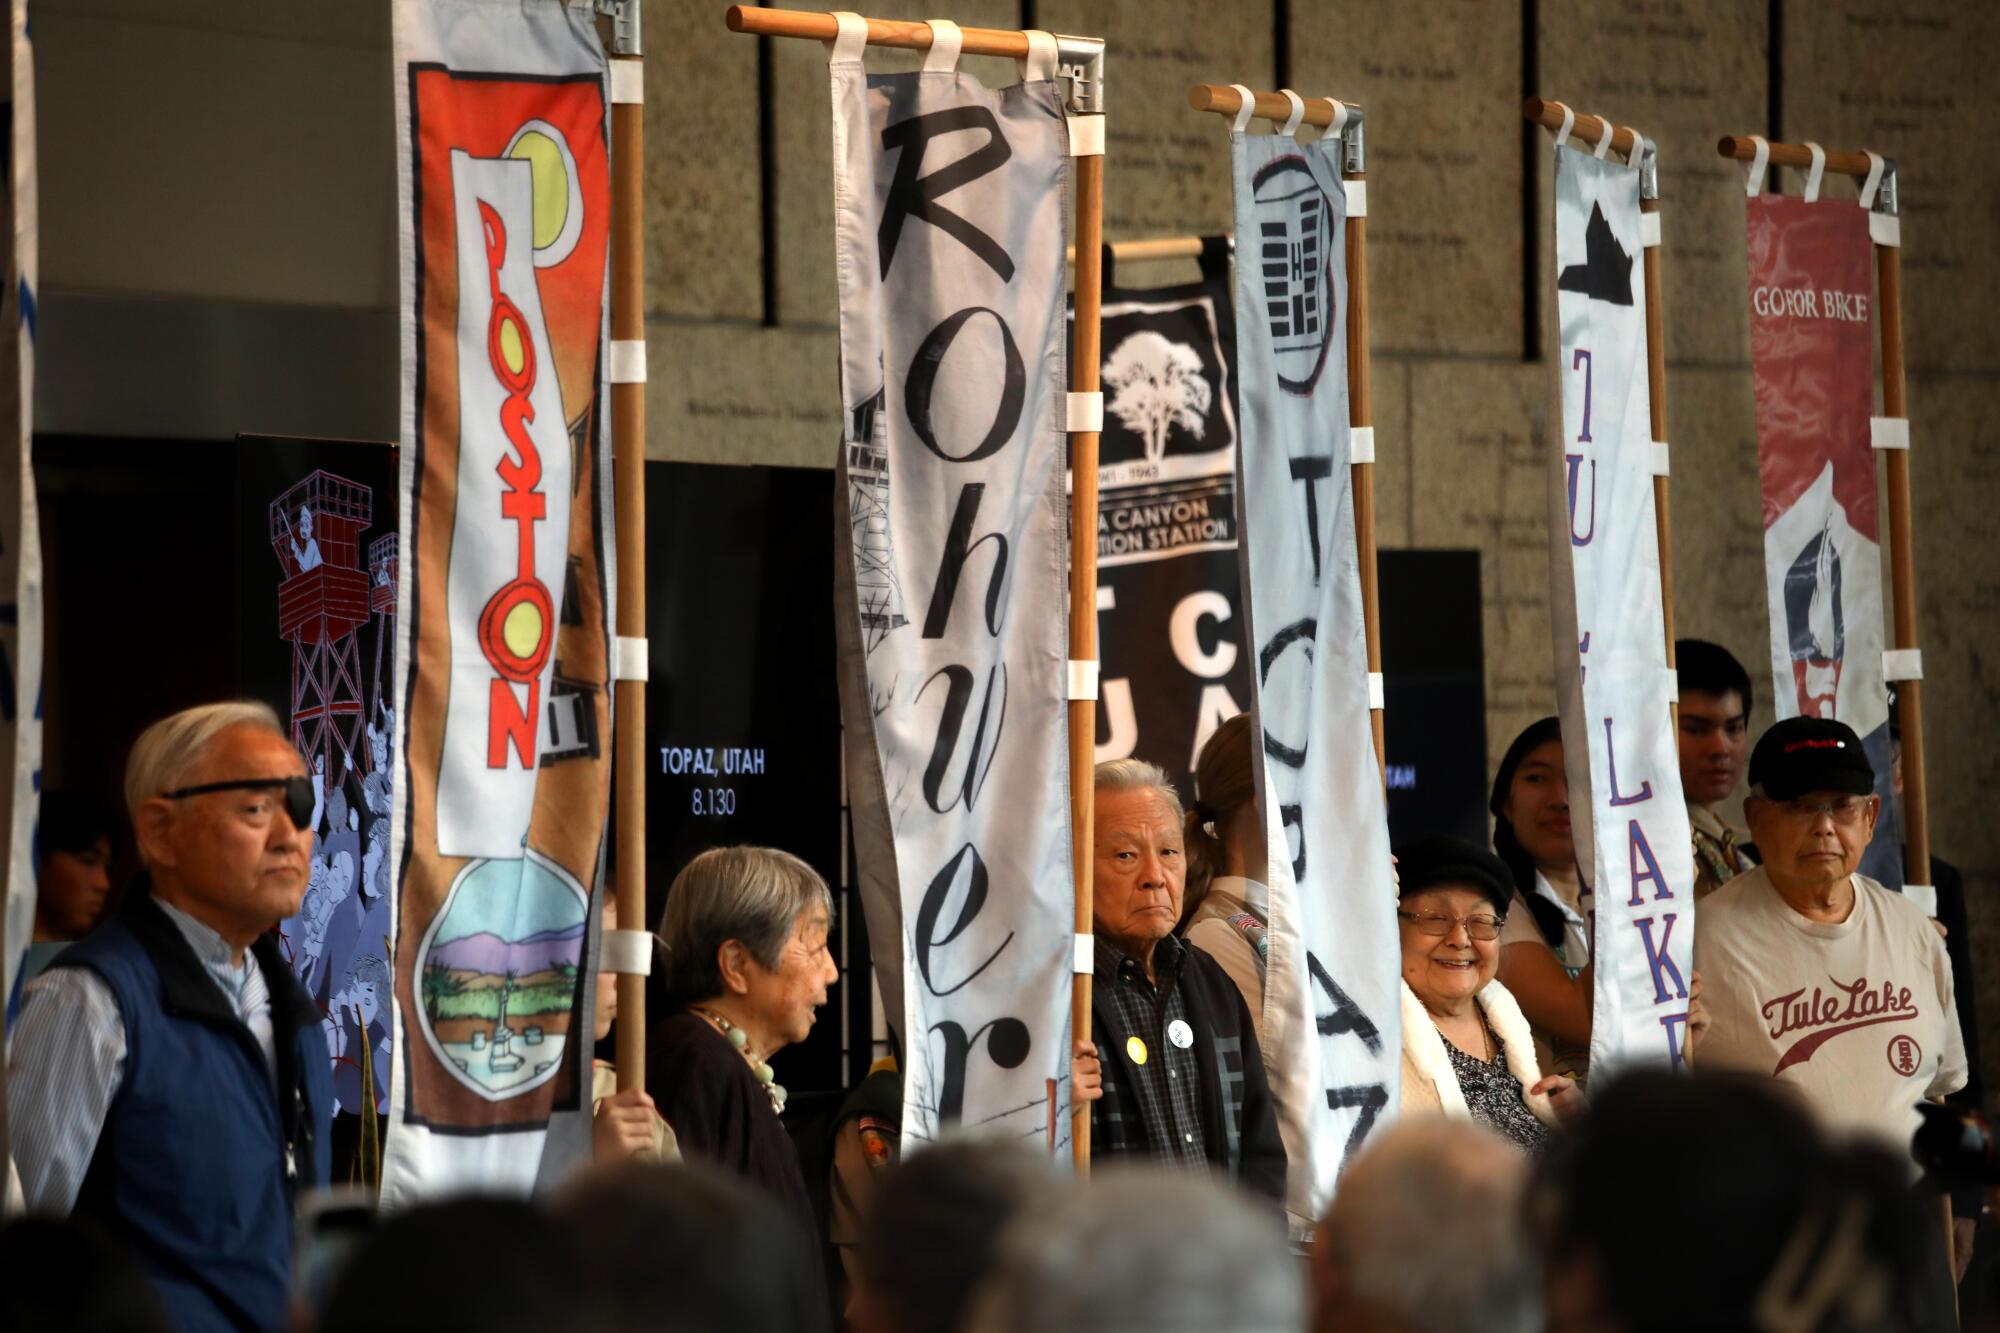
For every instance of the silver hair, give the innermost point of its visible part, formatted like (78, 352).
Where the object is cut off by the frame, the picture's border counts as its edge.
(1426, 1231)
(1116, 775)
(755, 895)
(168, 750)
(1144, 1248)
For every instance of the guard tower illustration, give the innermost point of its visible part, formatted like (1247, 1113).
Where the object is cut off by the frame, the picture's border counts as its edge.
(316, 528)
(383, 568)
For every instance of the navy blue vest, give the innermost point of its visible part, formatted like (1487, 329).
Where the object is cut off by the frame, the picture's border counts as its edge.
(200, 1157)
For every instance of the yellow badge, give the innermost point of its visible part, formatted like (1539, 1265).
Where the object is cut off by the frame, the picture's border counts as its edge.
(1136, 1049)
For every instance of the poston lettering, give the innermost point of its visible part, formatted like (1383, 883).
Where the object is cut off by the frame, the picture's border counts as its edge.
(517, 626)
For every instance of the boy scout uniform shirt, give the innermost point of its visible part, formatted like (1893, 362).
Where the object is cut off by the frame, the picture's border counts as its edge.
(1856, 1014)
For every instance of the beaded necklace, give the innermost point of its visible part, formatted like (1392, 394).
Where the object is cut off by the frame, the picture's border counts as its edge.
(741, 1041)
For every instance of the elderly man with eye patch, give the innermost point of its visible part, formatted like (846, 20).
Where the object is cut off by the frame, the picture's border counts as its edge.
(169, 1077)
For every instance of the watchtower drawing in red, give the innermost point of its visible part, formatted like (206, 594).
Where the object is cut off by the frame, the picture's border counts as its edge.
(325, 598)
(383, 569)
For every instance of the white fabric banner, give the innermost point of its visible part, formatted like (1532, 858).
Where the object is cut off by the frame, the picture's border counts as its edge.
(20, 534)
(950, 218)
(1332, 1014)
(506, 585)
(1629, 819)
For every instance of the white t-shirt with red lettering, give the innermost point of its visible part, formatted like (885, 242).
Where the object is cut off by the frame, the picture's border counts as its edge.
(1857, 1014)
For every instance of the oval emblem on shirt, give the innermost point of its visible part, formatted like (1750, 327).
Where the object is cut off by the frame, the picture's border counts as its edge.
(1135, 1049)
(1180, 1034)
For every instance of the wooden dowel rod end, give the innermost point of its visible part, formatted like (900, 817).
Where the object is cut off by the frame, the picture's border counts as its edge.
(733, 18)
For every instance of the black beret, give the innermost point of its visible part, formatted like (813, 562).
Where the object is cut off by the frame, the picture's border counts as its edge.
(1438, 860)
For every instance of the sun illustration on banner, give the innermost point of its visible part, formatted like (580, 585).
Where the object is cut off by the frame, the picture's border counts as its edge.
(558, 191)
(499, 974)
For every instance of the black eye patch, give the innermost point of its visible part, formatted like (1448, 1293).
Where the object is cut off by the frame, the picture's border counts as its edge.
(298, 794)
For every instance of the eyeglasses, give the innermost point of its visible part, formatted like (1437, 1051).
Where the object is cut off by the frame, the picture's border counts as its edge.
(1845, 811)
(298, 794)
(1437, 923)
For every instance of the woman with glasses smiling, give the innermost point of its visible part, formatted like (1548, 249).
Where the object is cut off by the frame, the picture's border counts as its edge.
(1467, 1050)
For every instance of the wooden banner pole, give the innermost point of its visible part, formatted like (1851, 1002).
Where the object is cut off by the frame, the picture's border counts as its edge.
(1319, 111)
(628, 483)
(1902, 537)
(1156, 248)
(1080, 65)
(1641, 152)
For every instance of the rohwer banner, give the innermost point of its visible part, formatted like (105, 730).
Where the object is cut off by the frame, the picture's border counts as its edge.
(950, 218)
(1332, 1018)
(1169, 587)
(502, 659)
(1615, 689)
(1812, 358)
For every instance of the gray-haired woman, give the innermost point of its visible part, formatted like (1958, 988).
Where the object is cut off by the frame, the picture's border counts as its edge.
(745, 933)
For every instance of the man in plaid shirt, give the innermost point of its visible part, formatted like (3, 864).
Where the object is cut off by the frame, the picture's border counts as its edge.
(1181, 1078)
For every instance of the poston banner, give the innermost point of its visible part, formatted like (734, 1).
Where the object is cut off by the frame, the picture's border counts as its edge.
(1629, 818)
(1811, 349)
(949, 214)
(1332, 1009)
(502, 629)
(20, 529)
(1169, 590)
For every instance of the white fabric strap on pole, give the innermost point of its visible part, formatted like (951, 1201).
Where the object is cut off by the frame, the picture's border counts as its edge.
(631, 658)
(1754, 186)
(1649, 230)
(1924, 896)
(1885, 229)
(1040, 65)
(1902, 664)
(628, 80)
(1360, 444)
(1873, 182)
(1086, 136)
(1086, 412)
(1603, 149)
(1660, 461)
(1338, 128)
(627, 952)
(850, 42)
(1569, 123)
(1670, 683)
(1638, 149)
(1889, 432)
(1357, 198)
(1375, 692)
(946, 39)
(1084, 960)
(1246, 107)
(627, 363)
(1298, 104)
(1082, 679)
(1815, 173)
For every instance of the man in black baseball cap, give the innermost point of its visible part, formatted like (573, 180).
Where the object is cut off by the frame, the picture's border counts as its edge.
(1815, 974)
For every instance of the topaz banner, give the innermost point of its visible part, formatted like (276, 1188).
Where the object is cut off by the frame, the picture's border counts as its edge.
(1812, 287)
(504, 714)
(950, 218)
(1332, 1010)
(1169, 589)
(1630, 822)
(20, 531)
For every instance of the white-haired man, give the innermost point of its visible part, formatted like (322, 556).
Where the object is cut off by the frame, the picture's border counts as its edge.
(1182, 1080)
(169, 1076)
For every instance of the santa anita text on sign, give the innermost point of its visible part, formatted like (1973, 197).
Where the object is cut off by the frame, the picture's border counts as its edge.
(1626, 806)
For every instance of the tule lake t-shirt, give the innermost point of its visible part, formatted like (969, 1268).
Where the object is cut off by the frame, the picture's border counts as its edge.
(1856, 1014)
